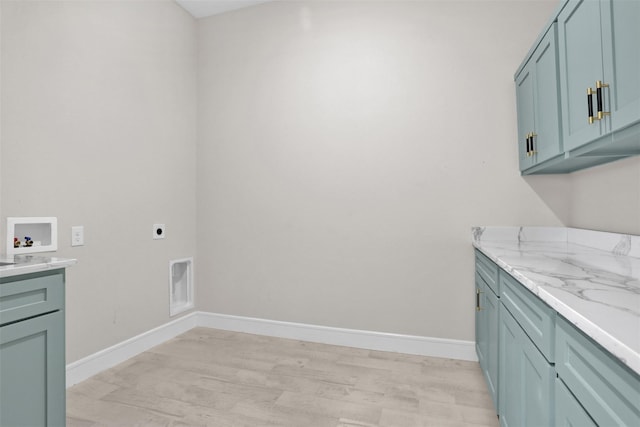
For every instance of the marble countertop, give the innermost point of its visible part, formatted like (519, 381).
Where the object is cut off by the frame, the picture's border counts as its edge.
(591, 278)
(24, 264)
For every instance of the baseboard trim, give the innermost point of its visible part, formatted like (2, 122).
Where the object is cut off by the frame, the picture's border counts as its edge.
(91, 365)
(383, 341)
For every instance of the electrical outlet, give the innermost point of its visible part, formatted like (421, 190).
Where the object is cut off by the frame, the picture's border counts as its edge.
(77, 235)
(158, 231)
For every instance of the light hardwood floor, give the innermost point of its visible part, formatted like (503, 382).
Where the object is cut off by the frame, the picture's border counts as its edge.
(228, 379)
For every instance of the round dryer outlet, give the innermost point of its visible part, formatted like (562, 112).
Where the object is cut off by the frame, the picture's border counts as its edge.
(158, 231)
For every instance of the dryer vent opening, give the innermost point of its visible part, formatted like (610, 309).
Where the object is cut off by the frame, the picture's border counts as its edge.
(180, 285)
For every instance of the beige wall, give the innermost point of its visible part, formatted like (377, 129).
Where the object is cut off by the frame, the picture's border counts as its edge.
(607, 197)
(346, 149)
(98, 129)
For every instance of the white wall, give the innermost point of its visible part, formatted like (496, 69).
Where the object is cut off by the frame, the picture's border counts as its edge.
(346, 149)
(98, 129)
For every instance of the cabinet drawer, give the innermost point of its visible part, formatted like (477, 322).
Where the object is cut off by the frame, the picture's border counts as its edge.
(535, 317)
(608, 390)
(488, 271)
(31, 295)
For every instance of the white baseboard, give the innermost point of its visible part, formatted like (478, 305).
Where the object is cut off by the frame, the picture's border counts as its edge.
(93, 364)
(435, 347)
(383, 341)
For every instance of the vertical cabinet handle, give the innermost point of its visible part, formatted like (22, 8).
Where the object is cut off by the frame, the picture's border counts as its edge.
(599, 99)
(530, 150)
(533, 151)
(478, 292)
(600, 113)
(590, 104)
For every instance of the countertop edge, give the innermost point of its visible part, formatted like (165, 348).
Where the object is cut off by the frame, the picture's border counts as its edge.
(26, 268)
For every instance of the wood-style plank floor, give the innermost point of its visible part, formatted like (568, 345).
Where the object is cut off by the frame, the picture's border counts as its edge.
(208, 377)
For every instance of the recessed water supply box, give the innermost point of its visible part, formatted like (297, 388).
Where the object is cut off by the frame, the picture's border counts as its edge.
(27, 235)
(180, 285)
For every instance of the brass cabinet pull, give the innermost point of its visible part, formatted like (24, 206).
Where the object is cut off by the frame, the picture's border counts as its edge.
(533, 151)
(599, 99)
(590, 104)
(530, 150)
(478, 292)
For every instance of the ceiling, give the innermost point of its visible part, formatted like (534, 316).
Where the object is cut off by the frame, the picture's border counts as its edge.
(204, 8)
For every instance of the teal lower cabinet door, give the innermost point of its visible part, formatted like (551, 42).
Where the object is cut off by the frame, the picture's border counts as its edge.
(492, 309)
(32, 372)
(607, 389)
(487, 309)
(481, 323)
(525, 378)
(569, 412)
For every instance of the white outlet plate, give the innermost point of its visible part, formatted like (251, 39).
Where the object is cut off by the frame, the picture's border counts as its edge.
(159, 231)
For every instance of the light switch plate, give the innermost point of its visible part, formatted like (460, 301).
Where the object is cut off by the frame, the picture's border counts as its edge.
(77, 235)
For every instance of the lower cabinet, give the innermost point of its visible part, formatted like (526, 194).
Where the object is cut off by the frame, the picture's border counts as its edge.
(32, 371)
(32, 350)
(539, 368)
(525, 378)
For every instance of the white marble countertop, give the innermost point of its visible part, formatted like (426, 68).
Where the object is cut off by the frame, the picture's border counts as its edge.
(590, 278)
(24, 264)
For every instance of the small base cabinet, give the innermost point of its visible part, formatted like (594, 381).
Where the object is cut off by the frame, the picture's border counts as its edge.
(32, 350)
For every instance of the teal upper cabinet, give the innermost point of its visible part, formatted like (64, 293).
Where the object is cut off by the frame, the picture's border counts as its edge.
(580, 67)
(526, 122)
(621, 53)
(600, 71)
(538, 104)
(579, 100)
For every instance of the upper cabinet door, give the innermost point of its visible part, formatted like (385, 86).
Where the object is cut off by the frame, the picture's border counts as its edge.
(621, 54)
(526, 108)
(546, 140)
(538, 104)
(581, 65)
